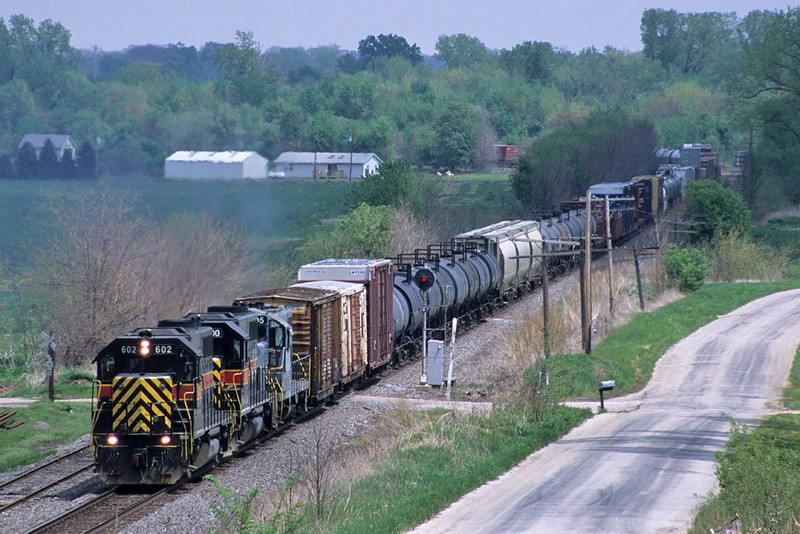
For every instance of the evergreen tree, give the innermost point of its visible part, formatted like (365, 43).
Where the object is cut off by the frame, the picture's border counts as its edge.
(86, 161)
(27, 163)
(6, 167)
(48, 161)
(67, 167)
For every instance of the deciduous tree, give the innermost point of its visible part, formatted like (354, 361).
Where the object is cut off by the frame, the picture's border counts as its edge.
(109, 268)
(715, 209)
(372, 47)
(396, 184)
(535, 61)
(460, 50)
(771, 91)
(608, 146)
(689, 42)
(247, 79)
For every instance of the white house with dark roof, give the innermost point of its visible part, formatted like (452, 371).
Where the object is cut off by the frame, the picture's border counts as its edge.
(228, 165)
(326, 164)
(61, 143)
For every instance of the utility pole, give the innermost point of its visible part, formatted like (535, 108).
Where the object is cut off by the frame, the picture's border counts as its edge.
(638, 277)
(350, 174)
(610, 262)
(545, 308)
(586, 280)
(544, 255)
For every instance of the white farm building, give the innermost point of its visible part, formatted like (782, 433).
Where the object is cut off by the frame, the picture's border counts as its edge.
(215, 165)
(326, 164)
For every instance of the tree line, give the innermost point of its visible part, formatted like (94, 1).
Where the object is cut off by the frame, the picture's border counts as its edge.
(700, 77)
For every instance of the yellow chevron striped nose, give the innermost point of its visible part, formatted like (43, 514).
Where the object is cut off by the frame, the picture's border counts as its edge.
(141, 402)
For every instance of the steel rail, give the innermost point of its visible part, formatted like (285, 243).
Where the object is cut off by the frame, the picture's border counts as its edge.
(40, 467)
(45, 488)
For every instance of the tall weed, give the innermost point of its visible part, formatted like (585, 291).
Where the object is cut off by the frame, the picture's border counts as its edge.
(759, 478)
(734, 256)
(236, 512)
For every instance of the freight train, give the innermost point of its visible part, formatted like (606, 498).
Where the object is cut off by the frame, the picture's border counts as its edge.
(182, 395)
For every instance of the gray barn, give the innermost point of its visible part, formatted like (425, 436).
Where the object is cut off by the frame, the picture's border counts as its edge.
(326, 164)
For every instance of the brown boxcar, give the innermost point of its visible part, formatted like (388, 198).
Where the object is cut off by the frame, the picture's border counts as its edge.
(353, 312)
(317, 330)
(378, 278)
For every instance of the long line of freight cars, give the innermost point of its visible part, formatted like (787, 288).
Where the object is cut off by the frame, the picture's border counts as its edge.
(180, 395)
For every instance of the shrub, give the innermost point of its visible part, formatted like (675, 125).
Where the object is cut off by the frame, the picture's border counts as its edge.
(735, 257)
(685, 267)
(395, 184)
(362, 234)
(716, 208)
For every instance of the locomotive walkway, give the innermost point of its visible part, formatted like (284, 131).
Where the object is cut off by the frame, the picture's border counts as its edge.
(647, 464)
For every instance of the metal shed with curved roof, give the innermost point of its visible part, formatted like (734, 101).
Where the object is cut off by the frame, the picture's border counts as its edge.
(215, 165)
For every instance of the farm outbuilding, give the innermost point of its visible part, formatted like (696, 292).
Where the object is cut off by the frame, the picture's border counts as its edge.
(215, 165)
(61, 143)
(326, 164)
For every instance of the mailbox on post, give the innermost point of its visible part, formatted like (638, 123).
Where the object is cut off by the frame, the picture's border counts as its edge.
(605, 385)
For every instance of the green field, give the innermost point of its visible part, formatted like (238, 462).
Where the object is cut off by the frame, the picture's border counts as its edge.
(268, 212)
(273, 214)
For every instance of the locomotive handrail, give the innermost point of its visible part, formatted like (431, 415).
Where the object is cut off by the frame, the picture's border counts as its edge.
(189, 446)
(237, 415)
(95, 414)
(277, 387)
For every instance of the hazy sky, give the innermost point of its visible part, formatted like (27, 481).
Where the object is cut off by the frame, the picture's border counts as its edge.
(571, 24)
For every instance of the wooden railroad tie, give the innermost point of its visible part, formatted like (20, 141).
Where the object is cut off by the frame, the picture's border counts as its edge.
(4, 418)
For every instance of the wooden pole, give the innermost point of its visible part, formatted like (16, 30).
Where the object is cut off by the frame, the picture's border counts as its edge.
(545, 307)
(610, 261)
(638, 278)
(586, 280)
(51, 368)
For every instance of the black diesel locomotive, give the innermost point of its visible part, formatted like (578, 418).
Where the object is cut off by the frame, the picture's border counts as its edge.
(179, 396)
(173, 398)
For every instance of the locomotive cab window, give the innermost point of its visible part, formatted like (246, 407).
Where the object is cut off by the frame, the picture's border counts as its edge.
(230, 349)
(148, 365)
(276, 336)
(188, 371)
(105, 368)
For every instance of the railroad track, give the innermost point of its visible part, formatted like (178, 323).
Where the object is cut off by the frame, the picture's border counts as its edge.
(34, 482)
(104, 512)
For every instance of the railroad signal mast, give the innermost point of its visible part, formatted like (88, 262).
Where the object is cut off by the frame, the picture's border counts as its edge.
(424, 280)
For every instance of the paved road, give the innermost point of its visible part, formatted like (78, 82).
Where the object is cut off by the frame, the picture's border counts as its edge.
(646, 466)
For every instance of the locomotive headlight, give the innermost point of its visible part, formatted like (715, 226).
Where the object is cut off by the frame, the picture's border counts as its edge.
(165, 440)
(112, 440)
(144, 347)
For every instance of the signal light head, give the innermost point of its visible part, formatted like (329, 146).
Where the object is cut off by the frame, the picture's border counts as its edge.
(144, 347)
(112, 440)
(424, 278)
